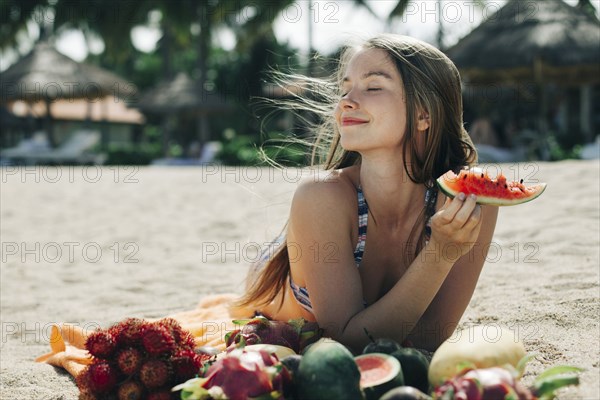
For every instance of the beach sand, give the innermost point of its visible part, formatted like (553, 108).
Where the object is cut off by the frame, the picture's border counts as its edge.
(93, 246)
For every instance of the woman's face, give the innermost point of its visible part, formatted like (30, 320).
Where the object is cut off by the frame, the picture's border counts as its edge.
(371, 112)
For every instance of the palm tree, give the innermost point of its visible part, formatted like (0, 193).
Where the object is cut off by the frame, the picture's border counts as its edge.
(113, 22)
(587, 7)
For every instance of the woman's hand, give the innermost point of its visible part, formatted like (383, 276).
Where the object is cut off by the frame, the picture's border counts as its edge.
(455, 227)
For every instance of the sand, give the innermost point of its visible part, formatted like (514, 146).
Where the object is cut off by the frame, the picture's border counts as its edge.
(92, 246)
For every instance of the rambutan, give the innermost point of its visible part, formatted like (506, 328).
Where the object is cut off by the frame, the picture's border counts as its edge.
(87, 395)
(157, 340)
(153, 355)
(101, 344)
(129, 360)
(131, 390)
(129, 331)
(154, 373)
(173, 326)
(102, 377)
(161, 395)
(185, 364)
(186, 341)
(83, 383)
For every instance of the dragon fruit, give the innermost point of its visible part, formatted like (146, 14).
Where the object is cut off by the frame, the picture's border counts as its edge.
(295, 334)
(502, 383)
(239, 375)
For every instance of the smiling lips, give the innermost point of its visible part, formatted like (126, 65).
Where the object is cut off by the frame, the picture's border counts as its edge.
(347, 121)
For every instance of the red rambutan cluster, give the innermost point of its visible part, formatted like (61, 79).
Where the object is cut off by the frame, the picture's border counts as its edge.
(136, 359)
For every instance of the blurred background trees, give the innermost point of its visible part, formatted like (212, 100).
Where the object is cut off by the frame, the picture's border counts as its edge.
(186, 45)
(189, 32)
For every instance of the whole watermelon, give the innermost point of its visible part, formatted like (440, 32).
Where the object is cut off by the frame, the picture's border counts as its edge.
(328, 371)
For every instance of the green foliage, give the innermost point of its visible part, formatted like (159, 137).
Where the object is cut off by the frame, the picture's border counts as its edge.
(175, 150)
(560, 152)
(239, 150)
(129, 155)
(14, 15)
(277, 149)
(282, 150)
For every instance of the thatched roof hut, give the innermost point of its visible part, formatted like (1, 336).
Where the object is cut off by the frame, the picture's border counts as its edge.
(542, 58)
(46, 75)
(178, 99)
(180, 94)
(532, 41)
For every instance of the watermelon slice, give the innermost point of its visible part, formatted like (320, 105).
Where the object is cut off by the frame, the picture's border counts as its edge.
(379, 373)
(496, 192)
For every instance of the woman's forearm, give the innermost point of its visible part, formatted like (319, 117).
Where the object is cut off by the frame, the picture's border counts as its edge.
(398, 311)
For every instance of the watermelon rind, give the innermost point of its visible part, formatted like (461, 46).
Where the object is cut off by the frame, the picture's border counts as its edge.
(537, 190)
(393, 378)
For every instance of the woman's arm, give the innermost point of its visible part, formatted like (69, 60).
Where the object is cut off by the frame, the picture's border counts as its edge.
(459, 229)
(319, 220)
(321, 251)
(445, 311)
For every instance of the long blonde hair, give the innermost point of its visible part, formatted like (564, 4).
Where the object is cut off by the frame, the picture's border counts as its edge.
(432, 83)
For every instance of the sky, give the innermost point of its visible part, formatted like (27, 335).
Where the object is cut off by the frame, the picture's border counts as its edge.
(334, 23)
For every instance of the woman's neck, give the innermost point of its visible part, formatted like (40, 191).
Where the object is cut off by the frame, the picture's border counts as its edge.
(391, 195)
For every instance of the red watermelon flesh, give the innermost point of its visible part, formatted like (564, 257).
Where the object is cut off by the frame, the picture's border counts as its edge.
(496, 192)
(375, 370)
(379, 373)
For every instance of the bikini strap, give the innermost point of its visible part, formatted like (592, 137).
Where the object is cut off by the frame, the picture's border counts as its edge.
(431, 195)
(363, 216)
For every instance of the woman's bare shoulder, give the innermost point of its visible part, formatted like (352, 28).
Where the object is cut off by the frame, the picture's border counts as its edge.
(325, 203)
(329, 188)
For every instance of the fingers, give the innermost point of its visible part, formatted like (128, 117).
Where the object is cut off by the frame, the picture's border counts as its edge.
(457, 223)
(450, 208)
(474, 219)
(465, 212)
(457, 210)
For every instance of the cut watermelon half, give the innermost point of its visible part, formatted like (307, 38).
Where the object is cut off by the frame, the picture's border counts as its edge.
(496, 192)
(379, 373)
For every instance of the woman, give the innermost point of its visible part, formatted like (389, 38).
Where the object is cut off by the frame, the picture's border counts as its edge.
(373, 247)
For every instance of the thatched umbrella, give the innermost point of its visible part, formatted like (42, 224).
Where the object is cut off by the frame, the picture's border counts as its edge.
(528, 40)
(180, 95)
(47, 75)
(533, 43)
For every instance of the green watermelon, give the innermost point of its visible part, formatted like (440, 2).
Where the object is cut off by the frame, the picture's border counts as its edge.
(381, 345)
(495, 192)
(379, 373)
(415, 367)
(328, 371)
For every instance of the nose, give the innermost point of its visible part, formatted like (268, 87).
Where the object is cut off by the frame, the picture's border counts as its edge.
(348, 102)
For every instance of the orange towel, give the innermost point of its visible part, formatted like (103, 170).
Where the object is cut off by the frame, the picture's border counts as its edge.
(209, 322)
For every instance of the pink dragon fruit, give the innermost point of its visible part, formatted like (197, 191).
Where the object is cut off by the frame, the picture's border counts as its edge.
(295, 334)
(499, 383)
(240, 375)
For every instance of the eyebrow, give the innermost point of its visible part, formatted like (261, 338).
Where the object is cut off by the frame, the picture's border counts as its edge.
(369, 74)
